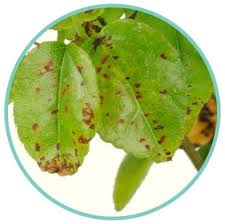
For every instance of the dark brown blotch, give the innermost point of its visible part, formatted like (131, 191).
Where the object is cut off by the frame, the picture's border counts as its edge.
(97, 42)
(147, 147)
(106, 76)
(133, 15)
(188, 110)
(58, 146)
(137, 85)
(49, 67)
(162, 139)
(35, 126)
(101, 99)
(83, 140)
(141, 140)
(37, 147)
(163, 91)
(98, 69)
(79, 68)
(163, 56)
(55, 111)
(104, 59)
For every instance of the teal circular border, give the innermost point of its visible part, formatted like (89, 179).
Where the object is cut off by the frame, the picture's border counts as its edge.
(49, 196)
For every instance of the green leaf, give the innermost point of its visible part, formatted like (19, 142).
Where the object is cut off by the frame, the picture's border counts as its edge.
(198, 78)
(142, 90)
(86, 24)
(131, 173)
(56, 105)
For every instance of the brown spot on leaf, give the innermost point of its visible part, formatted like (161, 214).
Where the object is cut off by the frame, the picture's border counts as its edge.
(115, 57)
(106, 76)
(98, 69)
(147, 147)
(159, 127)
(138, 96)
(88, 28)
(162, 139)
(37, 147)
(83, 140)
(107, 114)
(104, 59)
(58, 146)
(127, 77)
(101, 99)
(146, 114)
(77, 39)
(35, 126)
(98, 41)
(79, 68)
(55, 111)
(65, 89)
(49, 67)
(133, 15)
(88, 114)
(188, 111)
(102, 21)
(164, 91)
(37, 90)
(92, 126)
(168, 153)
(137, 85)
(142, 140)
(163, 56)
(121, 121)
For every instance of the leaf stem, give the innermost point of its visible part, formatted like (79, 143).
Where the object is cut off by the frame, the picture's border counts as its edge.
(191, 152)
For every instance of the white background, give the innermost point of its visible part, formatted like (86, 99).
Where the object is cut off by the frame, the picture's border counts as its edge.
(21, 20)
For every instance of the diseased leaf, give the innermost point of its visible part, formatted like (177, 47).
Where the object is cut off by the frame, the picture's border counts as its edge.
(86, 24)
(130, 175)
(142, 90)
(55, 106)
(203, 129)
(199, 82)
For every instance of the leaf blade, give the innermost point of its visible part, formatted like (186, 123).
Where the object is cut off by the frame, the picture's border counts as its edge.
(47, 84)
(131, 174)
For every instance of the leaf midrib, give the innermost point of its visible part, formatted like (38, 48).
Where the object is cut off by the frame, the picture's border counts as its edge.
(59, 95)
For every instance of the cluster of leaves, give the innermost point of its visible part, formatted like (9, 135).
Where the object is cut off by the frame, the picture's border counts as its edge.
(126, 75)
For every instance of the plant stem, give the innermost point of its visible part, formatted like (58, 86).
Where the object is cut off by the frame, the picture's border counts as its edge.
(193, 155)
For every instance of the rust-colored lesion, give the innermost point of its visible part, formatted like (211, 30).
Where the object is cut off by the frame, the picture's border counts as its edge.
(60, 165)
(49, 67)
(203, 130)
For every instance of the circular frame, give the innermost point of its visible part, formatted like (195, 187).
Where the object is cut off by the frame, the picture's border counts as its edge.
(58, 202)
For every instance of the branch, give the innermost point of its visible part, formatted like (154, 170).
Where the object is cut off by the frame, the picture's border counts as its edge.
(191, 152)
